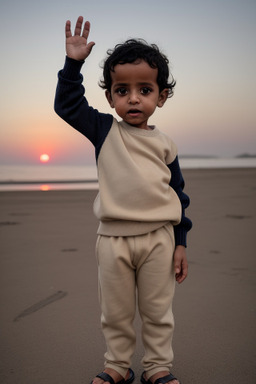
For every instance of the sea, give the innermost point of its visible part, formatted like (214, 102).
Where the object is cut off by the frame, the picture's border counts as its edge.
(47, 177)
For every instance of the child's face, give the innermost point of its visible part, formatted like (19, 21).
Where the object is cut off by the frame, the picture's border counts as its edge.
(135, 92)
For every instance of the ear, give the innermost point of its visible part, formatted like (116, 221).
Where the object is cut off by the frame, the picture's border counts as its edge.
(163, 95)
(109, 98)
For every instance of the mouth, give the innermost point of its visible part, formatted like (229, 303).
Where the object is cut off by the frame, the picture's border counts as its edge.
(134, 112)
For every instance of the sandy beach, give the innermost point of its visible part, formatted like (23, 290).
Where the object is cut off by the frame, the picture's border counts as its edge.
(50, 318)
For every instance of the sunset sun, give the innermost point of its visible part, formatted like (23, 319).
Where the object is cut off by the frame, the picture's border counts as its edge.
(44, 158)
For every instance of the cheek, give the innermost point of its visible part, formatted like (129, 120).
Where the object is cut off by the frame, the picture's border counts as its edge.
(118, 104)
(151, 104)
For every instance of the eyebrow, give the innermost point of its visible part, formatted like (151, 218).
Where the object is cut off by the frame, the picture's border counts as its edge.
(120, 85)
(145, 84)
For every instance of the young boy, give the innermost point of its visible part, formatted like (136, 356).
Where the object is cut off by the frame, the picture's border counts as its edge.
(140, 205)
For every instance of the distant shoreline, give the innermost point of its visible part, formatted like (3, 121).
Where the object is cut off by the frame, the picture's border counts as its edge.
(201, 157)
(52, 177)
(29, 182)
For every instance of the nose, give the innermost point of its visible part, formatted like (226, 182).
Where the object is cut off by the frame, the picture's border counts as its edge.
(134, 98)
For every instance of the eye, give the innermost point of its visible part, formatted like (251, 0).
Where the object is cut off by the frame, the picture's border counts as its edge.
(121, 91)
(145, 90)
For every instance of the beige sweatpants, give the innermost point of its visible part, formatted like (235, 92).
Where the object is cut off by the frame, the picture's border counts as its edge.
(144, 264)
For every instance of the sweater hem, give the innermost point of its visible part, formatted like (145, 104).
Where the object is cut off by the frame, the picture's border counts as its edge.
(128, 228)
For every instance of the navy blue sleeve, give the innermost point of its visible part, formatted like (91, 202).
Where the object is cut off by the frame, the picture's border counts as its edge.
(177, 183)
(71, 105)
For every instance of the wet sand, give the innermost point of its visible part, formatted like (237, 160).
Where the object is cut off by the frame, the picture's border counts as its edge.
(49, 319)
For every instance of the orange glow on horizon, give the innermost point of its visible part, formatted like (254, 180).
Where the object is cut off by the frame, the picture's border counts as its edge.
(44, 187)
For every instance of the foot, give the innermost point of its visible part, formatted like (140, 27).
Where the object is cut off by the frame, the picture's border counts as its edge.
(159, 375)
(111, 372)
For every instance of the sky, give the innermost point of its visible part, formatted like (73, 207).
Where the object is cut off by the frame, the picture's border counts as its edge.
(210, 45)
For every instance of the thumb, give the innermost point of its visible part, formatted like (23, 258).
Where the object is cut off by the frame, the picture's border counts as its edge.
(89, 47)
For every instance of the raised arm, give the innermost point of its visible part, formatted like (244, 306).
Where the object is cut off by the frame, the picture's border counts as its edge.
(70, 102)
(77, 46)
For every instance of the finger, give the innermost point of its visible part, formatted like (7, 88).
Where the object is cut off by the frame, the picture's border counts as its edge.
(79, 25)
(180, 277)
(86, 29)
(68, 29)
(89, 47)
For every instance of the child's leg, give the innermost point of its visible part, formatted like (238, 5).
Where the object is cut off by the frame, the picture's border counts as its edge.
(117, 292)
(156, 284)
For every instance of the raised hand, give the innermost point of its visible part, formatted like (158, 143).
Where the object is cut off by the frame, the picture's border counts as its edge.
(77, 46)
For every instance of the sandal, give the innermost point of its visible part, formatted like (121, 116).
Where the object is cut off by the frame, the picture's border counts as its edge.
(107, 378)
(161, 380)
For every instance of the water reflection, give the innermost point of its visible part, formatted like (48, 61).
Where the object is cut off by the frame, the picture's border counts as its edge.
(45, 187)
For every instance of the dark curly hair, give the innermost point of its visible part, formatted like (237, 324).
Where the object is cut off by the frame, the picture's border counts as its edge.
(132, 50)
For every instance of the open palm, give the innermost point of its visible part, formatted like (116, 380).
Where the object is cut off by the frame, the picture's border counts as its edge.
(77, 46)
